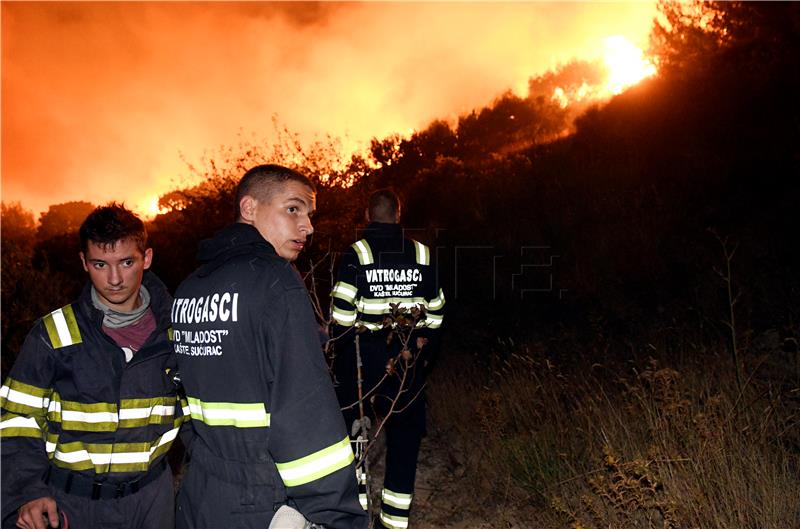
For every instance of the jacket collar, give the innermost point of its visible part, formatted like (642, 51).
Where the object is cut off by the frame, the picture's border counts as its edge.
(234, 240)
(160, 301)
(383, 230)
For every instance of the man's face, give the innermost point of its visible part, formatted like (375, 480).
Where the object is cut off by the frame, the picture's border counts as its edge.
(284, 221)
(116, 272)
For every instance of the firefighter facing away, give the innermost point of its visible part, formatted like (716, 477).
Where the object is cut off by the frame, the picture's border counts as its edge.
(381, 269)
(267, 423)
(90, 407)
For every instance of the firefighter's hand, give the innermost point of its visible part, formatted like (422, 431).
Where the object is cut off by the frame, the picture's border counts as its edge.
(38, 514)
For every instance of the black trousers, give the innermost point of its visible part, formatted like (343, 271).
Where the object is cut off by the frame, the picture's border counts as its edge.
(397, 397)
(151, 507)
(217, 493)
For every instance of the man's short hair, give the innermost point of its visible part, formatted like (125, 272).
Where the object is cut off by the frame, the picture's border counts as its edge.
(111, 223)
(383, 206)
(263, 181)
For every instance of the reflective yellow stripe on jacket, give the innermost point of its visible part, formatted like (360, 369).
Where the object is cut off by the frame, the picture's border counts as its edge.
(316, 465)
(345, 292)
(19, 399)
(423, 253)
(363, 252)
(26, 407)
(62, 327)
(103, 458)
(239, 415)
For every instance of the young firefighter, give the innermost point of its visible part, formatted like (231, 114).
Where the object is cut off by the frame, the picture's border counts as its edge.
(381, 269)
(89, 408)
(268, 427)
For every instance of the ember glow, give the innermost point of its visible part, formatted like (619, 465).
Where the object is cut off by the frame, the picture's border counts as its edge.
(104, 100)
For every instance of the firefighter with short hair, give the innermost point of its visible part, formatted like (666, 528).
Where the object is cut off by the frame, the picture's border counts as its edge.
(90, 409)
(268, 428)
(382, 269)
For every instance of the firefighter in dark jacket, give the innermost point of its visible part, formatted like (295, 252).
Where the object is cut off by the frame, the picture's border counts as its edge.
(268, 427)
(90, 409)
(382, 269)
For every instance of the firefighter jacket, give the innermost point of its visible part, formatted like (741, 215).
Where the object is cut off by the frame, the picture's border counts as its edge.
(255, 376)
(382, 269)
(72, 401)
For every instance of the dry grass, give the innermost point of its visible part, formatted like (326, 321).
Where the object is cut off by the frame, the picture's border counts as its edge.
(625, 445)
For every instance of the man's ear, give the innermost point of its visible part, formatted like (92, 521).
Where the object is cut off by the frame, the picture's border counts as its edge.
(83, 261)
(366, 215)
(247, 209)
(148, 258)
(397, 216)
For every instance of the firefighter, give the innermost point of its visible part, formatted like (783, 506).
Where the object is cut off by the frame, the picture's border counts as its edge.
(90, 409)
(381, 269)
(268, 427)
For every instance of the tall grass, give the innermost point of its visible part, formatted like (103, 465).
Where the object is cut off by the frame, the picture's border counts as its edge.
(637, 443)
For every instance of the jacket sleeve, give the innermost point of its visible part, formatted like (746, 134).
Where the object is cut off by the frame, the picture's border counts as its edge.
(343, 298)
(24, 399)
(308, 440)
(434, 317)
(183, 417)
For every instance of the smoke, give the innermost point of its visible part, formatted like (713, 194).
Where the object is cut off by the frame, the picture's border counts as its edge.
(100, 100)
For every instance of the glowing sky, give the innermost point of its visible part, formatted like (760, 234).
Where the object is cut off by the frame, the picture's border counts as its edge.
(99, 100)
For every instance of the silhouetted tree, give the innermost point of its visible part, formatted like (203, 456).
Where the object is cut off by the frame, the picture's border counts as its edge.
(28, 292)
(749, 36)
(62, 218)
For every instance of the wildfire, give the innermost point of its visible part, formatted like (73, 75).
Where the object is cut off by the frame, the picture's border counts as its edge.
(621, 65)
(625, 63)
(147, 208)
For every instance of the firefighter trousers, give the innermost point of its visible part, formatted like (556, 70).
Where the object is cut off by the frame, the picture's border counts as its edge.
(399, 398)
(217, 493)
(151, 507)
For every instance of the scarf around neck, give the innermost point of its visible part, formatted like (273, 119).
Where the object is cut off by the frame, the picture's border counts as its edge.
(115, 318)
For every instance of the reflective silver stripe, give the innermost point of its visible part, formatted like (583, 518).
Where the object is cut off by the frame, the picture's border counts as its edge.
(168, 437)
(343, 317)
(432, 321)
(438, 302)
(72, 457)
(19, 422)
(316, 465)
(106, 458)
(60, 324)
(92, 417)
(362, 499)
(344, 291)
(363, 252)
(144, 413)
(398, 522)
(134, 457)
(120, 458)
(26, 399)
(396, 499)
(423, 254)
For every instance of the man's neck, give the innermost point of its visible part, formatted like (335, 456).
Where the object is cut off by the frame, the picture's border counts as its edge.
(117, 317)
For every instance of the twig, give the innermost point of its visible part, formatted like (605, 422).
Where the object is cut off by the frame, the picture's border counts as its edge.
(727, 278)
